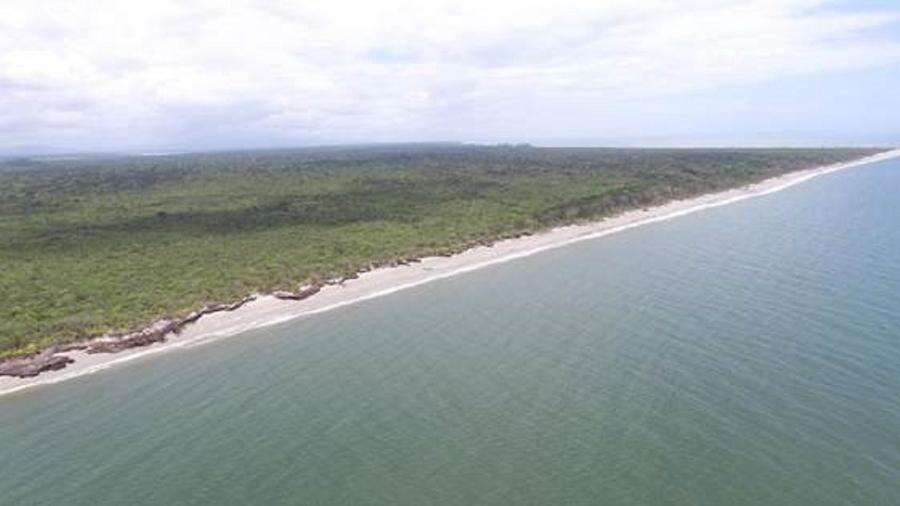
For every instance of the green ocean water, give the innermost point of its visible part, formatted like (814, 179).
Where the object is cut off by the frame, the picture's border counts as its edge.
(743, 355)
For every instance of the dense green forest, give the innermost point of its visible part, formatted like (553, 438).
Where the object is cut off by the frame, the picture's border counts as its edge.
(97, 243)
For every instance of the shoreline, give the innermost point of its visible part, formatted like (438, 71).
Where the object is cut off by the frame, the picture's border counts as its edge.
(265, 310)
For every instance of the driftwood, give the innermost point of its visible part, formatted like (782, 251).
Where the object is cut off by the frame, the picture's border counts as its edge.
(302, 293)
(27, 367)
(153, 334)
(157, 332)
(63, 348)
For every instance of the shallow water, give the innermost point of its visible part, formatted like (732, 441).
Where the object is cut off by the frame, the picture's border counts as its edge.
(748, 354)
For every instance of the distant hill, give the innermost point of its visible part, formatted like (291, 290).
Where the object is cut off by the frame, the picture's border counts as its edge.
(32, 150)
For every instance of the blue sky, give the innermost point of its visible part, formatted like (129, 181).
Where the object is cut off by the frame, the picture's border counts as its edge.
(197, 75)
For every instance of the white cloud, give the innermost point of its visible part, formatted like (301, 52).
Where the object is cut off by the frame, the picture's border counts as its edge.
(116, 73)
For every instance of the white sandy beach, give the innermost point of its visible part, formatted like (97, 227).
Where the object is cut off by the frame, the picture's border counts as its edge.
(268, 310)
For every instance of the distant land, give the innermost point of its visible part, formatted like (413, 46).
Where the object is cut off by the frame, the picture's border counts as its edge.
(93, 245)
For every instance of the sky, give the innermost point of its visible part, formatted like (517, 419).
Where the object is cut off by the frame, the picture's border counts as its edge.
(193, 75)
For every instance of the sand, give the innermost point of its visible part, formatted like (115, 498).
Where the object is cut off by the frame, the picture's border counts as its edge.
(268, 310)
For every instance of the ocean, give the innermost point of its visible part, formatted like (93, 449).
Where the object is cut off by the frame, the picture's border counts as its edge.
(745, 355)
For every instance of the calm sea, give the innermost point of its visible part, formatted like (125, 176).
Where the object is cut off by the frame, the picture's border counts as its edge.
(748, 354)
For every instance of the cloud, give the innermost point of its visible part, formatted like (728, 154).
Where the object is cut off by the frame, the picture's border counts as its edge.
(125, 74)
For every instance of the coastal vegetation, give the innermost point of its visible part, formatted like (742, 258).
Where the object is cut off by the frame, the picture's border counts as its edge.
(93, 244)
